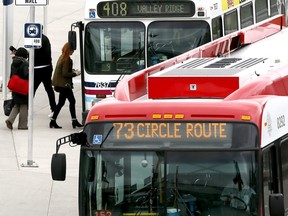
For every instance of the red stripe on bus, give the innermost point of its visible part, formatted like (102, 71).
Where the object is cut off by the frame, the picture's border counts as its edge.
(98, 91)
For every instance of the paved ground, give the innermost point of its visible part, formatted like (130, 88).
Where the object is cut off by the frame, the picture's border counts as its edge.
(29, 190)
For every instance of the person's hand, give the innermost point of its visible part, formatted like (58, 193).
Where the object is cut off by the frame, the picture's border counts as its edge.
(77, 72)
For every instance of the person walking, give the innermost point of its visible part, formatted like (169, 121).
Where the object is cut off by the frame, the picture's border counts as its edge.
(62, 82)
(19, 66)
(43, 69)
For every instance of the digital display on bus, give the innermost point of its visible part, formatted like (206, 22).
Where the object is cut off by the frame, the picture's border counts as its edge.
(126, 9)
(171, 130)
(193, 134)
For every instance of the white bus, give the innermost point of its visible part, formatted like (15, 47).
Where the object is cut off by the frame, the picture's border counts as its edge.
(118, 38)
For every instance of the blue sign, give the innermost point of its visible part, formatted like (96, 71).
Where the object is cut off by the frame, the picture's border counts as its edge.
(97, 139)
(92, 14)
(7, 2)
(32, 35)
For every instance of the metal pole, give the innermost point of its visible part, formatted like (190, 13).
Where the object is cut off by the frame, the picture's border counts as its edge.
(30, 162)
(7, 41)
(45, 20)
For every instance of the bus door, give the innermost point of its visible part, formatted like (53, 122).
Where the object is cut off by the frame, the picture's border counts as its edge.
(284, 172)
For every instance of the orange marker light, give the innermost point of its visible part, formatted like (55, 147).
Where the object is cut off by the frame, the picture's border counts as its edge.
(179, 116)
(168, 116)
(156, 116)
(94, 117)
(246, 117)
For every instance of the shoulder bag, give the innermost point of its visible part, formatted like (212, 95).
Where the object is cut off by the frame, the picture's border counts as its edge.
(18, 85)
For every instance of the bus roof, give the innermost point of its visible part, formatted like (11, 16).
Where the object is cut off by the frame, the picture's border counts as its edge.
(134, 86)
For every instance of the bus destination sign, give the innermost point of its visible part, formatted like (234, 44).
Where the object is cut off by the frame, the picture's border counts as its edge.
(213, 131)
(126, 9)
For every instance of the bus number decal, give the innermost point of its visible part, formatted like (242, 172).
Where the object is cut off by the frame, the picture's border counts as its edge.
(101, 84)
(117, 9)
(280, 121)
(106, 8)
(103, 213)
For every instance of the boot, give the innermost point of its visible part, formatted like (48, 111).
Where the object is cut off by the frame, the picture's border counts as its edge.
(75, 123)
(53, 124)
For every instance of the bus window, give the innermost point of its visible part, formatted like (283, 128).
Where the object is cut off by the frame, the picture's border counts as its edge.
(217, 28)
(131, 182)
(275, 6)
(261, 7)
(113, 48)
(270, 184)
(230, 22)
(284, 162)
(169, 39)
(246, 15)
(209, 178)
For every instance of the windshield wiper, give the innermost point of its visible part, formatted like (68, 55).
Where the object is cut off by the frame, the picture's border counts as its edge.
(106, 136)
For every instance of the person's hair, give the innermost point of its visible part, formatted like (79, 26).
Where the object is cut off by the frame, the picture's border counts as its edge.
(66, 51)
(22, 52)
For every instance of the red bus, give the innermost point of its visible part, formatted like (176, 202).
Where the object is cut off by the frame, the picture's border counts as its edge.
(189, 136)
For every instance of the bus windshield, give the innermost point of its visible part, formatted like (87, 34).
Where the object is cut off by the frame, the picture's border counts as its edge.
(169, 39)
(119, 47)
(170, 180)
(113, 48)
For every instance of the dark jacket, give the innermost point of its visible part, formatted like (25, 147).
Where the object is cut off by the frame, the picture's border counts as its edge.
(20, 66)
(63, 74)
(42, 56)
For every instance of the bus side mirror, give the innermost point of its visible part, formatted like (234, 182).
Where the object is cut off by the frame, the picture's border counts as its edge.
(72, 40)
(276, 205)
(58, 167)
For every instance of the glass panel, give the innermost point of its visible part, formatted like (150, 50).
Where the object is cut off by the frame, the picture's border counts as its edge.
(246, 14)
(213, 183)
(261, 7)
(148, 183)
(113, 48)
(230, 22)
(270, 175)
(275, 6)
(267, 179)
(169, 39)
(116, 48)
(284, 159)
(217, 27)
(120, 183)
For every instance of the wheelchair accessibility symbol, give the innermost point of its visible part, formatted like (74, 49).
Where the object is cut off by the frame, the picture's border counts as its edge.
(97, 139)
